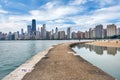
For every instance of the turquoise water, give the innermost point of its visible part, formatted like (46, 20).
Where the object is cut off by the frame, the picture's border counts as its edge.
(14, 53)
(106, 58)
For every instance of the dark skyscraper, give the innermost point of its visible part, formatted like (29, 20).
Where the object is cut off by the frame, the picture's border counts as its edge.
(44, 31)
(29, 29)
(68, 33)
(56, 30)
(22, 32)
(34, 26)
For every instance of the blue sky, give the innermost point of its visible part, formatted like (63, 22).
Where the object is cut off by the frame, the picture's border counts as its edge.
(78, 14)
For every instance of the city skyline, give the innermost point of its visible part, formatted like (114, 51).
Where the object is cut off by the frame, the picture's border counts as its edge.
(32, 33)
(77, 14)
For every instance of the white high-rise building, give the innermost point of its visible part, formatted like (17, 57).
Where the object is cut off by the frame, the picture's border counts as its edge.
(111, 30)
(16, 35)
(90, 33)
(68, 33)
(98, 31)
(44, 31)
(86, 34)
(56, 33)
(37, 35)
(61, 35)
(104, 33)
(93, 33)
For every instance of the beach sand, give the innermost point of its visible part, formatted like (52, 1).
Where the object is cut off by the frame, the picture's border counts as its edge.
(61, 64)
(106, 43)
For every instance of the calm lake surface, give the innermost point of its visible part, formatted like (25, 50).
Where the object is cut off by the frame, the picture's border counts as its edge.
(15, 53)
(106, 58)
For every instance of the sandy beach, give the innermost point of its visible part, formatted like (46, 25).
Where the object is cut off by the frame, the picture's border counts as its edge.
(61, 64)
(106, 43)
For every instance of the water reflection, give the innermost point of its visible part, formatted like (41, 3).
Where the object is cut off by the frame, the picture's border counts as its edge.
(99, 50)
(106, 58)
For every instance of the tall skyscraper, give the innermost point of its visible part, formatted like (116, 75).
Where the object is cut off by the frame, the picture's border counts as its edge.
(93, 33)
(90, 32)
(61, 35)
(22, 32)
(10, 36)
(52, 31)
(104, 33)
(56, 33)
(16, 35)
(41, 33)
(56, 30)
(48, 35)
(86, 34)
(68, 33)
(29, 29)
(111, 30)
(98, 31)
(33, 26)
(74, 35)
(44, 31)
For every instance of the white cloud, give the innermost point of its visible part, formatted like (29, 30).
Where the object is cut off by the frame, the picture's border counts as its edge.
(100, 16)
(11, 23)
(76, 2)
(106, 14)
(60, 21)
(105, 2)
(3, 11)
(12, 26)
(50, 11)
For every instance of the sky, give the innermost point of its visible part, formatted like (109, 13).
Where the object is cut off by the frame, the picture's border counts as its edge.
(77, 14)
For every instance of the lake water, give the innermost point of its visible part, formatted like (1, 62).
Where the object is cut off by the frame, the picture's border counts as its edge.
(15, 53)
(106, 58)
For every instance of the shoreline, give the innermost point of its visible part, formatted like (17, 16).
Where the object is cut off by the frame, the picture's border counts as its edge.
(59, 62)
(105, 43)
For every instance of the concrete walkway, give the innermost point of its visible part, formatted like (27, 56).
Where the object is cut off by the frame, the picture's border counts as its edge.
(61, 64)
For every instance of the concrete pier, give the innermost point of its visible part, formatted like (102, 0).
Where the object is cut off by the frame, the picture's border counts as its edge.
(62, 63)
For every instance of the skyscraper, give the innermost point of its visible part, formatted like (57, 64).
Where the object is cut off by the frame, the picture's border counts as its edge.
(93, 33)
(44, 31)
(86, 34)
(61, 35)
(111, 30)
(56, 33)
(74, 35)
(33, 26)
(56, 30)
(16, 35)
(29, 29)
(68, 33)
(90, 32)
(98, 31)
(10, 36)
(104, 33)
(22, 31)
